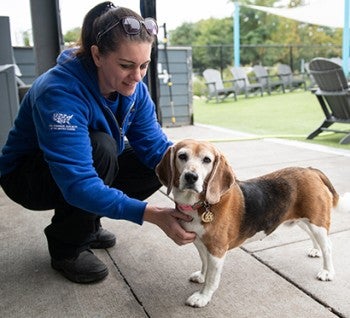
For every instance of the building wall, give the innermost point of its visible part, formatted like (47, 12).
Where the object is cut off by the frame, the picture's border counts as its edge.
(180, 92)
(25, 60)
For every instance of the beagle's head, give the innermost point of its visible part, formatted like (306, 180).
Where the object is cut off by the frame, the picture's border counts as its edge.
(198, 167)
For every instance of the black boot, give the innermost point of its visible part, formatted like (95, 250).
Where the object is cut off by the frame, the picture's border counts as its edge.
(86, 268)
(104, 239)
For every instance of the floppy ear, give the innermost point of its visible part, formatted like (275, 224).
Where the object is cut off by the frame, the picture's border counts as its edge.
(220, 180)
(165, 170)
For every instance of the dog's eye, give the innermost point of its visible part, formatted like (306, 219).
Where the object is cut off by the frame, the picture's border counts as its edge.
(182, 156)
(206, 160)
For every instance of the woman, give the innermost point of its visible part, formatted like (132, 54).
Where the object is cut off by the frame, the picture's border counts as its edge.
(68, 151)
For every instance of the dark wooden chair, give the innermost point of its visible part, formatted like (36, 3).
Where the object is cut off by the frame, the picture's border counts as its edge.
(333, 94)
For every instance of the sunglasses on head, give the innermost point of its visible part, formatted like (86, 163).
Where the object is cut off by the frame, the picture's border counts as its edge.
(132, 26)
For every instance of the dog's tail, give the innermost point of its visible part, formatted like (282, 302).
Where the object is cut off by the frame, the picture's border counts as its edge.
(343, 203)
(329, 185)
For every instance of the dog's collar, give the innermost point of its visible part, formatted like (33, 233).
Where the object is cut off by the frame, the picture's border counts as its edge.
(191, 208)
(207, 215)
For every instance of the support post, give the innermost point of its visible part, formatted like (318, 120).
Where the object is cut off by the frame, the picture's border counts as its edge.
(47, 34)
(346, 38)
(236, 39)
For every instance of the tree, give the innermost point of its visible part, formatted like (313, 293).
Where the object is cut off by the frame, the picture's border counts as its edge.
(265, 38)
(213, 33)
(72, 36)
(256, 28)
(27, 37)
(185, 34)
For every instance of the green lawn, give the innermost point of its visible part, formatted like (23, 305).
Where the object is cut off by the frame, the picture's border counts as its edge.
(292, 115)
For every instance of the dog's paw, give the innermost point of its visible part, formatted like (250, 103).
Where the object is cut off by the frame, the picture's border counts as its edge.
(325, 275)
(198, 300)
(314, 252)
(197, 277)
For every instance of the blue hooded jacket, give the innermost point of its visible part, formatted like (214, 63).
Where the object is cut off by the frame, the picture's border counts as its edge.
(56, 116)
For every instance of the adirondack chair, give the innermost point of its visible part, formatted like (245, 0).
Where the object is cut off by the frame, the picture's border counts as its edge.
(7, 56)
(333, 95)
(267, 81)
(312, 83)
(289, 79)
(242, 84)
(215, 86)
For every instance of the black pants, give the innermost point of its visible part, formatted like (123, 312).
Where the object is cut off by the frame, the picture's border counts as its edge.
(72, 229)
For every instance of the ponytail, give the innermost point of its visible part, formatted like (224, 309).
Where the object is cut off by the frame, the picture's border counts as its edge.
(88, 36)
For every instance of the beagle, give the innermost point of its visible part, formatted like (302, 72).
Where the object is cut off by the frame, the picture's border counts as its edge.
(227, 212)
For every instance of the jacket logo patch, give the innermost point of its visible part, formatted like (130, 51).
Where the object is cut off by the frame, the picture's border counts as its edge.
(62, 118)
(62, 122)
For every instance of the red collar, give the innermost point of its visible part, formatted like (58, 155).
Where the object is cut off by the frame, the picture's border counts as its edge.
(191, 208)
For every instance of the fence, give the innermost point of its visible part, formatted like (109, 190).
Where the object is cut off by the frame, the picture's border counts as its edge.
(221, 56)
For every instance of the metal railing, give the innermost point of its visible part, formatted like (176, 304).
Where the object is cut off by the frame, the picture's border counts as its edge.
(221, 56)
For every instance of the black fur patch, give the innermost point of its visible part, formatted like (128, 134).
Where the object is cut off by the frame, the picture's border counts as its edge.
(266, 202)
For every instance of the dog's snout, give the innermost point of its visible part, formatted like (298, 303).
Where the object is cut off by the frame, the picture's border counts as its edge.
(191, 177)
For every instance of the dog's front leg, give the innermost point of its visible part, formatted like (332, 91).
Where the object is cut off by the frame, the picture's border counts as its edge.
(212, 280)
(199, 276)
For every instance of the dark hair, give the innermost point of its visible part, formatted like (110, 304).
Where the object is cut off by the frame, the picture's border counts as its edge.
(101, 17)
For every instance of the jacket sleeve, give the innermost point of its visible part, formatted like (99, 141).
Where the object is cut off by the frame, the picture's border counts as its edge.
(61, 120)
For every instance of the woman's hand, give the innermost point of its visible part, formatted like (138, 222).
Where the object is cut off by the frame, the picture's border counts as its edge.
(168, 220)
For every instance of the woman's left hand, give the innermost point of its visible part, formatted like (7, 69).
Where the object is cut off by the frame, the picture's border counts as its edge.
(168, 220)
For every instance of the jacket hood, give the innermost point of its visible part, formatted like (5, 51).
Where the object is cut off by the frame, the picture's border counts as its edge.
(69, 63)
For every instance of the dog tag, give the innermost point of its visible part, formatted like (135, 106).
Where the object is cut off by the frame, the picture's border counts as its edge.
(208, 216)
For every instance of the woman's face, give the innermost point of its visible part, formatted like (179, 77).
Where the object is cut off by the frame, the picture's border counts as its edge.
(121, 70)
